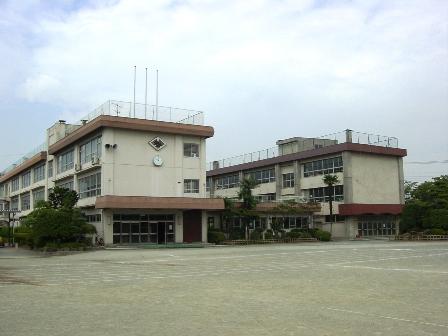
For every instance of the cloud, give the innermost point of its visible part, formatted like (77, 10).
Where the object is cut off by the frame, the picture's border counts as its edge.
(285, 67)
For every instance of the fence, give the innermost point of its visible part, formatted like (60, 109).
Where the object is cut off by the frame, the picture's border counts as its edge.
(148, 112)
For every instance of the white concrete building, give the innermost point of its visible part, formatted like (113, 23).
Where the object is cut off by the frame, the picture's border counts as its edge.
(139, 180)
(367, 200)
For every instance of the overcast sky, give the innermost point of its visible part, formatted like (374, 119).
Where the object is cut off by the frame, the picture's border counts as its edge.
(260, 70)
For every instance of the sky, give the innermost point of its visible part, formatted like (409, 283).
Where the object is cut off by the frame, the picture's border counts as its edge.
(261, 70)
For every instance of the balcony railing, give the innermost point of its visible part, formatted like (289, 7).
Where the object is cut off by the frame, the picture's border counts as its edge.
(321, 141)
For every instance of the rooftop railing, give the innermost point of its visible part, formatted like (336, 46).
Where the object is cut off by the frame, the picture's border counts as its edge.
(29, 155)
(128, 110)
(145, 111)
(306, 144)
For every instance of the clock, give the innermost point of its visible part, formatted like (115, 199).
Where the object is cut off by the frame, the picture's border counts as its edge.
(158, 161)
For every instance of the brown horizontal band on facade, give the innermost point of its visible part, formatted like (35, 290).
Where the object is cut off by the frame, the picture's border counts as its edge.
(356, 209)
(312, 153)
(275, 207)
(130, 124)
(41, 156)
(147, 202)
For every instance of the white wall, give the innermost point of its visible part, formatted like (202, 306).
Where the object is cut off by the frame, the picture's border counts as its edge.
(128, 170)
(375, 179)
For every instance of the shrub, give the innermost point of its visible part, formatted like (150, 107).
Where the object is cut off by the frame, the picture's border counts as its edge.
(269, 234)
(294, 234)
(215, 236)
(323, 235)
(236, 234)
(256, 234)
(4, 232)
(23, 235)
(437, 232)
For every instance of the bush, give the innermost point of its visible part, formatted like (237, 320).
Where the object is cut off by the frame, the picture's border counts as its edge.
(4, 232)
(256, 234)
(323, 235)
(294, 234)
(215, 237)
(438, 232)
(236, 234)
(269, 234)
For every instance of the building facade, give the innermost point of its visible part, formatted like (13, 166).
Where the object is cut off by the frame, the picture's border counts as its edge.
(139, 180)
(367, 200)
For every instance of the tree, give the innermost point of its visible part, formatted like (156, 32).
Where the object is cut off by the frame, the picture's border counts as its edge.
(57, 221)
(249, 203)
(63, 198)
(330, 181)
(427, 206)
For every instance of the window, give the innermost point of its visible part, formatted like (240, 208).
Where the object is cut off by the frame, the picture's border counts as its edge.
(291, 222)
(265, 198)
(2, 190)
(38, 195)
(65, 161)
(90, 186)
(15, 184)
(191, 150)
(323, 194)
(259, 223)
(15, 203)
(50, 169)
(263, 176)
(337, 218)
(90, 150)
(322, 167)
(207, 184)
(376, 226)
(25, 201)
(227, 182)
(67, 184)
(39, 173)
(288, 180)
(93, 218)
(191, 186)
(26, 179)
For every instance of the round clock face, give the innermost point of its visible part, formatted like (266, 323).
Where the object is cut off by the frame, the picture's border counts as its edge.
(157, 161)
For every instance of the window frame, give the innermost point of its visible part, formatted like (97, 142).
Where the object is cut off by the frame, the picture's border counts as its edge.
(191, 186)
(189, 150)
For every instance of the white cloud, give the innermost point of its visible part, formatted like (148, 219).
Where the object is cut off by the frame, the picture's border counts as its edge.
(284, 66)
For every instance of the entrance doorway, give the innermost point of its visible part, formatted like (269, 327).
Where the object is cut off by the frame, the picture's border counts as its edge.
(192, 226)
(137, 228)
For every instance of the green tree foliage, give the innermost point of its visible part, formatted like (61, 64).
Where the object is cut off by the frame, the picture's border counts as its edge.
(63, 198)
(57, 221)
(331, 181)
(245, 194)
(247, 210)
(427, 207)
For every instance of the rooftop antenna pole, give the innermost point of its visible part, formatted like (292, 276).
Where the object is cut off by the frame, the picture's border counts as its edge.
(146, 89)
(157, 94)
(135, 79)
